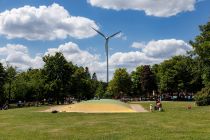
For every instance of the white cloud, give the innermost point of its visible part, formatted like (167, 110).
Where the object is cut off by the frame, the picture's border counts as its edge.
(153, 52)
(166, 48)
(73, 53)
(158, 8)
(44, 23)
(17, 55)
(138, 45)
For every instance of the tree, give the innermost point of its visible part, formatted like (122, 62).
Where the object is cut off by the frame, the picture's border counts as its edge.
(87, 72)
(29, 86)
(94, 77)
(2, 81)
(120, 85)
(179, 74)
(100, 91)
(58, 74)
(136, 81)
(82, 84)
(155, 69)
(10, 74)
(201, 46)
(147, 80)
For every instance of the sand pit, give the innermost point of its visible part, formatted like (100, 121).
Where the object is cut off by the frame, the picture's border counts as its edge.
(99, 106)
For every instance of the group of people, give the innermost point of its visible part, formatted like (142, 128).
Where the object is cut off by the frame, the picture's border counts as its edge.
(158, 106)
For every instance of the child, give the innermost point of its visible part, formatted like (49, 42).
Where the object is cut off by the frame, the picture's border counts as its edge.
(151, 107)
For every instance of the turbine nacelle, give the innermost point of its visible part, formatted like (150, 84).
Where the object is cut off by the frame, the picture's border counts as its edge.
(100, 33)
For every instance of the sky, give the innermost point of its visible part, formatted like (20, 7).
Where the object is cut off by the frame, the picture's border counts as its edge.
(151, 31)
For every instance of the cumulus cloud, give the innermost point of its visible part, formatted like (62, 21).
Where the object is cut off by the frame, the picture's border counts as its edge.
(138, 45)
(44, 23)
(153, 52)
(73, 53)
(163, 48)
(158, 8)
(17, 55)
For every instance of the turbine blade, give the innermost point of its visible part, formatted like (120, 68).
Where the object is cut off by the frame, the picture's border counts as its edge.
(114, 34)
(99, 32)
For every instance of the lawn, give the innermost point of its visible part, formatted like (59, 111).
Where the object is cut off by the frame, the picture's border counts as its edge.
(176, 122)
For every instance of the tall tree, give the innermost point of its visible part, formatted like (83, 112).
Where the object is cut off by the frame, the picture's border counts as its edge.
(10, 74)
(58, 73)
(136, 81)
(100, 91)
(2, 81)
(201, 46)
(94, 77)
(179, 74)
(147, 80)
(82, 84)
(120, 85)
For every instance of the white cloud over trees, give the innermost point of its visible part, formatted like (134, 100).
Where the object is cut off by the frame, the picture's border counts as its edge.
(151, 53)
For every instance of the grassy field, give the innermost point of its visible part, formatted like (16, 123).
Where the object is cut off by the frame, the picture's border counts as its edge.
(176, 122)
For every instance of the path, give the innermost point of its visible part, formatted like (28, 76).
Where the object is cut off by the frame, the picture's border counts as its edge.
(138, 108)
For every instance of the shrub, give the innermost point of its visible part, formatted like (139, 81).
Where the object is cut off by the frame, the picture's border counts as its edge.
(54, 111)
(202, 97)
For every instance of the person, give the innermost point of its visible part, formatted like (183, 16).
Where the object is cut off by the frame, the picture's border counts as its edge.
(158, 105)
(151, 107)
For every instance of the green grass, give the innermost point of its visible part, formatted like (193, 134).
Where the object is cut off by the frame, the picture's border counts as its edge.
(176, 122)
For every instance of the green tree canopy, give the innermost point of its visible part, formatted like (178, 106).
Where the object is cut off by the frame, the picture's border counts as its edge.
(201, 46)
(2, 81)
(147, 80)
(10, 78)
(136, 81)
(58, 73)
(120, 84)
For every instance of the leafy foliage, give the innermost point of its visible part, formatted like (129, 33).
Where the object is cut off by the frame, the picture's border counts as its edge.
(10, 78)
(147, 80)
(2, 81)
(120, 84)
(136, 81)
(201, 46)
(203, 97)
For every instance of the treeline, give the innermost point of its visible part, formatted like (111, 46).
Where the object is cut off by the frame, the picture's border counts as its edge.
(178, 76)
(182, 75)
(60, 80)
(56, 82)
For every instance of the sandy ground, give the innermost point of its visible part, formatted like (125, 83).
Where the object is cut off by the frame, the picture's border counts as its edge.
(138, 108)
(98, 109)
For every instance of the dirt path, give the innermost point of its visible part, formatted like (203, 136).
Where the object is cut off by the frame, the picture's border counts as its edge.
(138, 108)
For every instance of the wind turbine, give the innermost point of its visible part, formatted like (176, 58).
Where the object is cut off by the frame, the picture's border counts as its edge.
(106, 48)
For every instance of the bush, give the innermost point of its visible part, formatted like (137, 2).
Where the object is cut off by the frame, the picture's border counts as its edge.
(54, 111)
(202, 97)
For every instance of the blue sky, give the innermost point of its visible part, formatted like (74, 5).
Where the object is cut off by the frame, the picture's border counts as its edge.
(152, 31)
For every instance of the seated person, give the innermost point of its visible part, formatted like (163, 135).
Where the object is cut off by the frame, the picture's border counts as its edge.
(158, 105)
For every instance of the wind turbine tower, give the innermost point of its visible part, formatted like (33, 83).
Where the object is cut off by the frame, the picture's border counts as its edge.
(107, 48)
